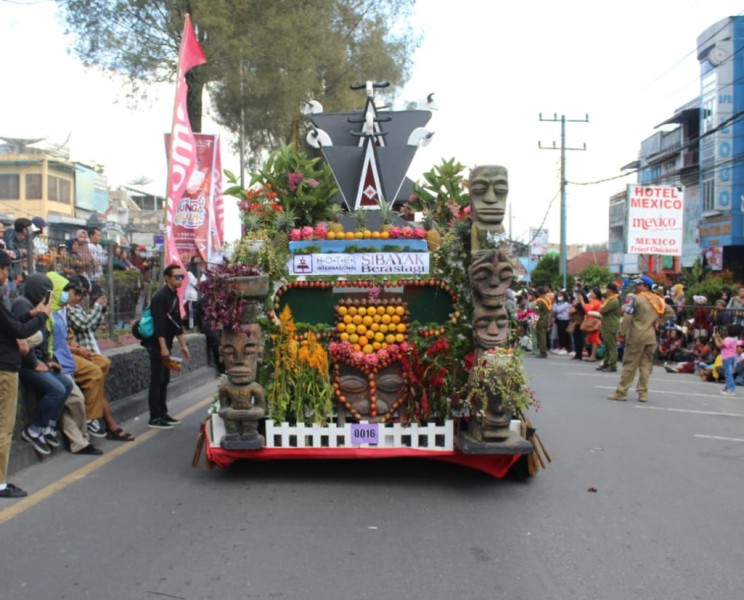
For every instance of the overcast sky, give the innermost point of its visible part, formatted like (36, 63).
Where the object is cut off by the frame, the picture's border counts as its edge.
(493, 67)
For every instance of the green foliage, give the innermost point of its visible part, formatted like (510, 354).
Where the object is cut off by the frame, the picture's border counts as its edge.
(444, 194)
(547, 271)
(302, 184)
(596, 275)
(264, 58)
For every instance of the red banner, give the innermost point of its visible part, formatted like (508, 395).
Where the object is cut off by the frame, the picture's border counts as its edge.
(217, 214)
(182, 149)
(193, 230)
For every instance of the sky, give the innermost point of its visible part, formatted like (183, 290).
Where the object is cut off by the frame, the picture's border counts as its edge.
(494, 67)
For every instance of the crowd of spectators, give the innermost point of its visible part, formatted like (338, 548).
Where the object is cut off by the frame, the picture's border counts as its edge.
(693, 342)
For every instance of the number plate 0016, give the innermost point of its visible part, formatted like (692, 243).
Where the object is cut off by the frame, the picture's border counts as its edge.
(365, 433)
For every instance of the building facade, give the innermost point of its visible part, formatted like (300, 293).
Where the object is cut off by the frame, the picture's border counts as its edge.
(720, 50)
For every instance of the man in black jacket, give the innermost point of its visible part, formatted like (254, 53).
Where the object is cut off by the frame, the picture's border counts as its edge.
(13, 334)
(166, 316)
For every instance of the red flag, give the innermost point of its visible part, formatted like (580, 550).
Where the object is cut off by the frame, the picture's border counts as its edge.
(182, 150)
(217, 229)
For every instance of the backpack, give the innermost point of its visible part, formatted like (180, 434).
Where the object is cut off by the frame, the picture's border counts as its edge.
(144, 327)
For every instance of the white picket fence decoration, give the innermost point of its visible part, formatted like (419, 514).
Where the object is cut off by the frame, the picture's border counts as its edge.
(433, 438)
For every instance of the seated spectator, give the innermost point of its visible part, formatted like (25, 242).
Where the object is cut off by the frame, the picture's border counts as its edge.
(74, 425)
(700, 318)
(671, 346)
(41, 374)
(91, 367)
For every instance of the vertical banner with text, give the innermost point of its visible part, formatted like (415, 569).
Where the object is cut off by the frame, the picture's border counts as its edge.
(182, 155)
(655, 219)
(193, 219)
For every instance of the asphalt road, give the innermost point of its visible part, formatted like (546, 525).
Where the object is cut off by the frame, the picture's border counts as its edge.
(665, 521)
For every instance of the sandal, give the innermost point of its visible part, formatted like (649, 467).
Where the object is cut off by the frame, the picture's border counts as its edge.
(119, 435)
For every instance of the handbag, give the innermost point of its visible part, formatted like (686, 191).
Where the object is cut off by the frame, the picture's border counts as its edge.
(590, 324)
(571, 328)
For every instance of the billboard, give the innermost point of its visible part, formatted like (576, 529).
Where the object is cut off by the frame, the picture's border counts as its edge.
(538, 242)
(91, 189)
(655, 219)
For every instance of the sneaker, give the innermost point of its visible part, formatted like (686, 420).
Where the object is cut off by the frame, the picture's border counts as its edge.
(89, 450)
(726, 392)
(642, 398)
(617, 396)
(171, 420)
(159, 424)
(96, 428)
(12, 491)
(37, 441)
(52, 438)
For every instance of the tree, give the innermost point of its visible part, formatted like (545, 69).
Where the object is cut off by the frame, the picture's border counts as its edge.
(596, 276)
(546, 271)
(264, 58)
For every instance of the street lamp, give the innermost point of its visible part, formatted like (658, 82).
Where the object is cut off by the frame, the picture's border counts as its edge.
(129, 230)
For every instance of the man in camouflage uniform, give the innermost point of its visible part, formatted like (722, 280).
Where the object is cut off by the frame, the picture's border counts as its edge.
(611, 313)
(638, 327)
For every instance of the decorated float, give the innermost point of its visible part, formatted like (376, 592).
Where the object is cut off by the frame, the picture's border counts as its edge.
(357, 327)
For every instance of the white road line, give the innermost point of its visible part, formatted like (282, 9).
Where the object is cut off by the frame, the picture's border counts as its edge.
(618, 373)
(711, 396)
(718, 437)
(694, 412)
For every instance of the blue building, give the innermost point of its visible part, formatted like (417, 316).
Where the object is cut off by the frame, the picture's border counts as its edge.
(720, 51)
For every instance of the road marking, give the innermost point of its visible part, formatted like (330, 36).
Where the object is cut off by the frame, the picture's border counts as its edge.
(47, 492)
(718, 437)
(694, 412)
(604, 387)
(695, 381)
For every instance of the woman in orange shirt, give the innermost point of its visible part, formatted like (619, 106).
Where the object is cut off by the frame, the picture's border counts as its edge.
(592, 337)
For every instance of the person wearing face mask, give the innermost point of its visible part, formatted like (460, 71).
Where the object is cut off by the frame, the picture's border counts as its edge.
(561, 308)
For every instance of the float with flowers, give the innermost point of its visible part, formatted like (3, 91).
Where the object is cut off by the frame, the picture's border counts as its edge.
(354, 327)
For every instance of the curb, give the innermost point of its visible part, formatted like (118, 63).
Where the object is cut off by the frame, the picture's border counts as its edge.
(22, 455)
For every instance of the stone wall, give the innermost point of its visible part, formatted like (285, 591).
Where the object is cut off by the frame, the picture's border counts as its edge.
(128, 380)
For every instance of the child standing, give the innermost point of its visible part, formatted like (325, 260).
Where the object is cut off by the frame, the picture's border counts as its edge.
(728, 356)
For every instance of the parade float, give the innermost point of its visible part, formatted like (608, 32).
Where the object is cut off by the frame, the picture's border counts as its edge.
(352, 332)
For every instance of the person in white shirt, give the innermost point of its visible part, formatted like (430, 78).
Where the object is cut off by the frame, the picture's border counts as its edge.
(192, 296)
(97, 253)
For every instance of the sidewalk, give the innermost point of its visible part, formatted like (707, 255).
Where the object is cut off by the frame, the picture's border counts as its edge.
(130, 412)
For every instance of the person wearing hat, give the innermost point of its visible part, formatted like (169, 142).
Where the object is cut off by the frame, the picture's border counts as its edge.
(13, 335)
(610, 311)
(638, 329)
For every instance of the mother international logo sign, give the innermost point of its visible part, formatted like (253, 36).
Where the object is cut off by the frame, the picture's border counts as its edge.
(655, 219)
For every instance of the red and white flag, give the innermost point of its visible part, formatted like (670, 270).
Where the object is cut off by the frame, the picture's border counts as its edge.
(182, 148)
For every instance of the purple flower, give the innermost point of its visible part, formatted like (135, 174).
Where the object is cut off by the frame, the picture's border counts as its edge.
(294, 180)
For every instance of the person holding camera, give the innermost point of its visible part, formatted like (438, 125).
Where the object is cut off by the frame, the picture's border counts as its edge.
(40, 372)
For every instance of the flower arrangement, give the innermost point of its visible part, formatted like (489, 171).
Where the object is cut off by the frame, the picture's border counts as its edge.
(321, 232)
(301, 388)
(303, 184)
(223, 305)
(498, 373)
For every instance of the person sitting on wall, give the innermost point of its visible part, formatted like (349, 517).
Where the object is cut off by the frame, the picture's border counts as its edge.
(91, 367)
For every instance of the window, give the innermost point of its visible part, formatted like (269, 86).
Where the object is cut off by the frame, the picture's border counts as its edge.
(33, 187)
(709, 195)
(59, 189)
(10, 188)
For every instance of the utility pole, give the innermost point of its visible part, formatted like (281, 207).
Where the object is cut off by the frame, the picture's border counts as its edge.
(563, 120)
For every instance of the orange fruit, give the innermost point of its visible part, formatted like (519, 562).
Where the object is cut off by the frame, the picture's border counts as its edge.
(352, 310)
(361, 329)
(344, 337)
(380, 310)
(349, 235)
(348, 318)
(341, 327)
(331, 235)
(363, 341)
(400, 338)
(353, 338)
(395, 319)
(358, 235)
(401, 328)
(375, 235)
(379, 337)
(356, 319)
(385, 235)
(390, 310)
(342, 310)
(367, 320)
(367, 234)
(351, 328)
(374, 327)
(362, 310)
(368, 349)
(385, 319)
(390, 338)
(400, 311)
